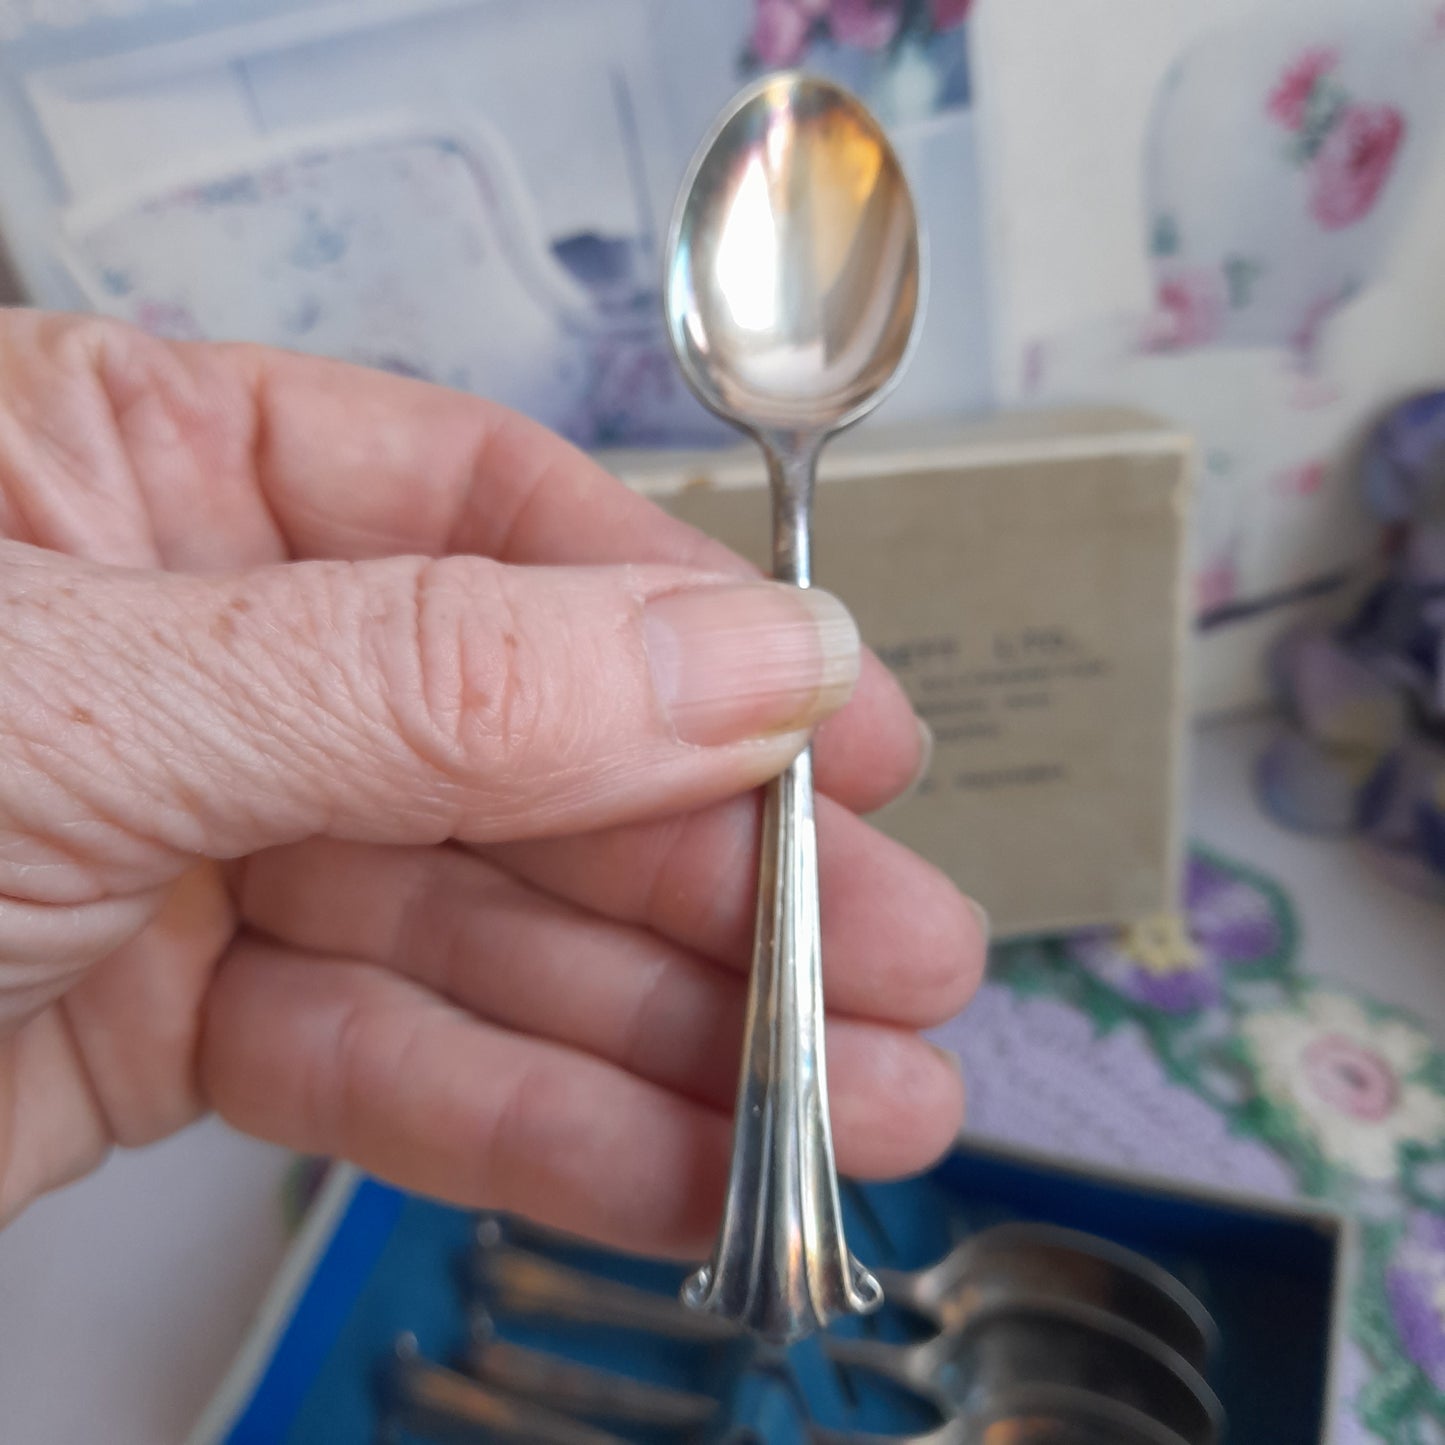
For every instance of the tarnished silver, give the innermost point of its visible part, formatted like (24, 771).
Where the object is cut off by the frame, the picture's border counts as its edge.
(1048, 1415)
(515, 1281)
(1039, 1344)
(594, 1394)
(794, 276)
(434, 1403)
(1045, 1262)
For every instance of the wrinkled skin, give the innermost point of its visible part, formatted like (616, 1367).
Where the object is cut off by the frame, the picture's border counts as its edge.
(312, 815)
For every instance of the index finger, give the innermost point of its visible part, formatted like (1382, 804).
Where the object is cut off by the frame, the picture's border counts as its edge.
(244, 454)
(358, 463)
(354, 462)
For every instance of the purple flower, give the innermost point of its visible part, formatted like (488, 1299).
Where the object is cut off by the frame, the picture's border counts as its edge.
(1313, 787)
(1432, 823)
(1415, 1286)
(1177, 966)
(1404, 460)
(1041, 1075)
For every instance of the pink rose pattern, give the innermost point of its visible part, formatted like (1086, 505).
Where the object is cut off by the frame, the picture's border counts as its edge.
(1304, 480)
(1305, 338)
(1347, 149)
(783, 30)
(1288, 100)
(868, 24)
(949, 14)
(1351, 1078)
(1354, 163)
(1190, 309)
(1216, 586)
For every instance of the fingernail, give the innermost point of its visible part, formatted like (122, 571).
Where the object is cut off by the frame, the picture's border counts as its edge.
(948, 1057)
(750, 661)
(925, 759)
(985, 923)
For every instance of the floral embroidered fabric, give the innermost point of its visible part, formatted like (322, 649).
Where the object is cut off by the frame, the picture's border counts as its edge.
(1193, 1048)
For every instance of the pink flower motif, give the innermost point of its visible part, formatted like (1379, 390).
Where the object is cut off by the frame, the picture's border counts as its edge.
(1301, 481)
(868, 24)
(1305, 339)
(780, 32)
(1289, 99)
(1216, 586)
(1350, 1077)
(1190, 307)
(1354, 163)
(949, 14)
(1308, 391)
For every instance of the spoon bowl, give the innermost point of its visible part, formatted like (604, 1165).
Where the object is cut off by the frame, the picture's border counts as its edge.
(1044, 1261)
(1041, 1343)
(795, 266)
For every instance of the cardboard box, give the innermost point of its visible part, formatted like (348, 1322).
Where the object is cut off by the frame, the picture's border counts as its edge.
(1024, 578)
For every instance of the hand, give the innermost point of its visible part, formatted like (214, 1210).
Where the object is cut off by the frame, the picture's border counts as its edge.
(375, 771)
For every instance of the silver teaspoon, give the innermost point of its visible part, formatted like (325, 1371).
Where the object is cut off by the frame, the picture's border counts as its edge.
(794, 273)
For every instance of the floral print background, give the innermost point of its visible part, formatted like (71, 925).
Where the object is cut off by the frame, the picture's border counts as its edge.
(905, 57)
(443, 251)
(1245, 237)
(1273, 203)
(1191, 1047)
(411, 250)
(337, 231)
(1267, 221)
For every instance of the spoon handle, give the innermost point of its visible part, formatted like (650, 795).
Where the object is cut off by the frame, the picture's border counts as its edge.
(781, 1265)
(521, 1283)
(439, 1404)
(792, 479)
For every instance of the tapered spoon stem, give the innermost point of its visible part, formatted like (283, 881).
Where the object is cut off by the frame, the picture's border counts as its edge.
(792, 480)
(781, 1266)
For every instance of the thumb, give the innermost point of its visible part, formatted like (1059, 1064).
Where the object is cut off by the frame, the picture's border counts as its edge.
(407, 700)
